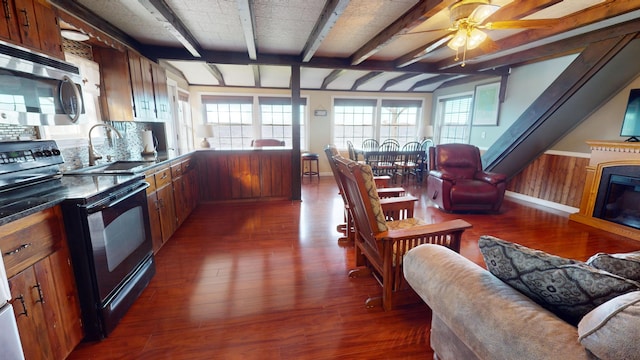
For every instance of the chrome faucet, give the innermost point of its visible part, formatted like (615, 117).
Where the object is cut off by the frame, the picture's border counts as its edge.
(93, 155)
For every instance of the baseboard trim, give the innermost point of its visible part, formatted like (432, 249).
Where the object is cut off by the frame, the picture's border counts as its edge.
(550, 204)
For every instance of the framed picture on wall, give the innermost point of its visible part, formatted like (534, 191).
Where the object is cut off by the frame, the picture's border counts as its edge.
(486, 104)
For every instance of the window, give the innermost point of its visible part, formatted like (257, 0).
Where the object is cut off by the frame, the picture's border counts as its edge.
(353, 121)
(232, 118)
(356, 120)
(399, 120)
(236, 123)
(277, 121)
(454, 117)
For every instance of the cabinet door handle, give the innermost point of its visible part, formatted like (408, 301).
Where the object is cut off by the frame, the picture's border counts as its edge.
(18, 249)
(24, 306)
(7, 12)
(26, 18)
(37, 286)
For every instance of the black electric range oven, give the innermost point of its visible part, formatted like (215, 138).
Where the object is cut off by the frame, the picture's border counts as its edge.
(106, 220)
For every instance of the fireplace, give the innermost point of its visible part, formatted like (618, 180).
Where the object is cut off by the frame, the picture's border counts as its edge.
(611, 194)
(618, 198)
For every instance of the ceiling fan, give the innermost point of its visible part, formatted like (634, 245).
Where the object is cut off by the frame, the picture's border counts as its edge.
(467, 24)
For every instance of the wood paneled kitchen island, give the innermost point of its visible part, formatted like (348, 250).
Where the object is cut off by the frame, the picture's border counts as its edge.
(252, 174)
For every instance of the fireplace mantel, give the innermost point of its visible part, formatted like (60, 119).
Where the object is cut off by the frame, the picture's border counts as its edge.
(605, 154)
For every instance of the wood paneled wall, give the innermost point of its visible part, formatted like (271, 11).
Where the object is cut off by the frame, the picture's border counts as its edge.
(242, 175)
(555, 178)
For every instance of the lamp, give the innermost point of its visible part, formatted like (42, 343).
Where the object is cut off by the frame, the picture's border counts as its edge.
(428, 131)
(206, 131)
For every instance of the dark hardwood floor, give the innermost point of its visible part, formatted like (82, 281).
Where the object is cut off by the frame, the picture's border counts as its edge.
(269, 281)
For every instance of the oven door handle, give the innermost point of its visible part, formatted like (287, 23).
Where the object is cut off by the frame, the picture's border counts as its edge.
(116, 198)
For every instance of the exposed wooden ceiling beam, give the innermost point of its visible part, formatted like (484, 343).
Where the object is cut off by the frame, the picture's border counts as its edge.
(331, 77)
(256, 75)
(396, 80)
(332, 11)
(432, 80)
(213, 69)
(558, 48)
(465, 80)
(163, 13)
(247, 18)
(591, 15)
(364, 79)
(421, 52)
(520, 9)
(409, 20)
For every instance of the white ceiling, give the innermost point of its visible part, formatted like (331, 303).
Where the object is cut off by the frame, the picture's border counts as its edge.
(281, 31)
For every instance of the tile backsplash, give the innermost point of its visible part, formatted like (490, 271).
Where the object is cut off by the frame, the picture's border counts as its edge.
(129, 147)
(16, 132)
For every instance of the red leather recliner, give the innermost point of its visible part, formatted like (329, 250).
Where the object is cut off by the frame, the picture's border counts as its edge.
(456, 181)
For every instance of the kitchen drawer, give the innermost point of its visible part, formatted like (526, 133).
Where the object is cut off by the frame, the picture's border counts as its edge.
(28, 240)
(151, 179)
(163, 177)
(176, 170)
(187, 165)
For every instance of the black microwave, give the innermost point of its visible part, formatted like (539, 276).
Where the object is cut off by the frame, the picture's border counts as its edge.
(38, 90)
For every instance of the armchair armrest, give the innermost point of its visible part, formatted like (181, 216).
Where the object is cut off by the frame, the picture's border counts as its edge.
(391, 192)
(443, 228)
(492, 178)
(442, 175)
(398, 207)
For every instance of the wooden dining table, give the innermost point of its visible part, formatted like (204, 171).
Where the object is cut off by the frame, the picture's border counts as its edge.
(390, 162)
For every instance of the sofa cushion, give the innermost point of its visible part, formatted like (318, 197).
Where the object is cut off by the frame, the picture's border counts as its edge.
(612, 330)
(567, 287)
(626, 265)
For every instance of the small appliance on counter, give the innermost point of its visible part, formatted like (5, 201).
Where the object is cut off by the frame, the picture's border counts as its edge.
(9, 336)
(149, 143)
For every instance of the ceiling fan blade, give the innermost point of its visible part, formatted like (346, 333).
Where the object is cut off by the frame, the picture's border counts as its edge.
(482, 12)
(521, 24)
(428, 31)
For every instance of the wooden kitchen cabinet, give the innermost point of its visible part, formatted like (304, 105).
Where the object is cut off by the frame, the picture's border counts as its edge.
(132, 87)
(142, 86)
(160, 92)
(154, 212)
(166, 204)
(33, 24)
(42, 284)
(116, 98)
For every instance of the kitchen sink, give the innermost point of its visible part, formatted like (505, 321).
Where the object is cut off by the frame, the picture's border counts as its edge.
(122, 167)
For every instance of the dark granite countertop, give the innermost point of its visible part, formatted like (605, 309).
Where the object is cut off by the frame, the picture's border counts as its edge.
(18, 203)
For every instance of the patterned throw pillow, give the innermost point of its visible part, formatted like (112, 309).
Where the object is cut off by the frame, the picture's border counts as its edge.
(625, 265)
(566, 287)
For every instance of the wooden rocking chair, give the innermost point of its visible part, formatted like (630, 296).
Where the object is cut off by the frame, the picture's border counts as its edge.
(381, 244)
(395, 203)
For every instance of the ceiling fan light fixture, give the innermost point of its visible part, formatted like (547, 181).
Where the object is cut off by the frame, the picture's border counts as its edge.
(475, 38)
(458, 41)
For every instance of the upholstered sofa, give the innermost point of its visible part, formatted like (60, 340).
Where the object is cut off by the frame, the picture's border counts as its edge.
(475, 315)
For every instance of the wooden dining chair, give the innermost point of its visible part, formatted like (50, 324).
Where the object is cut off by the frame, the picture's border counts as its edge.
(410, 156)
(370, 144)
(381, 244)
(384, 162)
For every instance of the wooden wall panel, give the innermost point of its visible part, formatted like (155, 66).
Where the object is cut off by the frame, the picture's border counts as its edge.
(245, 175)
(555, 178)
